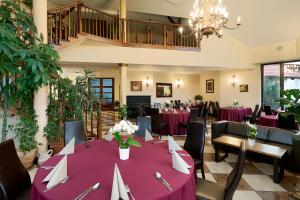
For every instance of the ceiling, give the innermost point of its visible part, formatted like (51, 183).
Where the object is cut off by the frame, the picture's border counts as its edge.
(263, 21)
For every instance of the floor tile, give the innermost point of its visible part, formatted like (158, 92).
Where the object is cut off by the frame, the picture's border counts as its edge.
(246, 195)
(267, 169)
(249, 168)
(209, 149)
(221, 167)
(273, 195)
(209, 157)
(262, 183)
(222, 179)
(288, 182)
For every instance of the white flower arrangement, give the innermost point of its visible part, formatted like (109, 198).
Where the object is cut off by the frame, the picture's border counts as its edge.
(252, 130)
(124, 127)
(235, 102)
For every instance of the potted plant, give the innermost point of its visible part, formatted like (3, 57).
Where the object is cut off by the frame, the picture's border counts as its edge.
(123, 112)
(198, 98)
(252, 132)
(123, 132)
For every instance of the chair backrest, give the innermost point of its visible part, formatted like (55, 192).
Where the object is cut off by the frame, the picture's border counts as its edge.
(193, 114)
(205, 109)
(268, 110)
(255, 110)
(143, 123)
(235, 175)
(200, 107)
(156, 105)
(13, 175)
(195, 139)
(74, 129)
(287, 122)
(155, 119)
(259, 112)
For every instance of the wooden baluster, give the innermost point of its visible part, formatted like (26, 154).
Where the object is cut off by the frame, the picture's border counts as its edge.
(60, 26)
(69, 21)
(56, 29)
(79, 18)
(96, 19)
(165, 35)
(89, 19)
(51, 28)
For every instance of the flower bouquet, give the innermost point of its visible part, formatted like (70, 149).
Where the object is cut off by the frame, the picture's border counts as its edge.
(123, 132)
(252, 132)
(235, 102)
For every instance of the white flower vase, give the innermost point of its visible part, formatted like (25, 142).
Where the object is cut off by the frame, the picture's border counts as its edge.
(251, 142)
(124, 153)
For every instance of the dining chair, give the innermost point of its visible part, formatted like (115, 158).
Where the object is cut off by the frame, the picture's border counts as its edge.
(287, 122)
(251, 118)
(156, 125)
(192, 117)
(210, 190)
(258, 114)
(157, 105)
(268, 110)
(204, 115)
(217, 109)
(194, 144)
(143, 123)
(74, 129)
(14, 178)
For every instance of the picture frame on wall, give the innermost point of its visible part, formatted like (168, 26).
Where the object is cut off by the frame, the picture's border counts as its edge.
(136, 86)
(210, 86)
(164, 90)
(244, 88)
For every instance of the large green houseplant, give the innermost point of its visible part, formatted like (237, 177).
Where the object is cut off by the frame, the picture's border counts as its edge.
(23, 55)
(291, 102)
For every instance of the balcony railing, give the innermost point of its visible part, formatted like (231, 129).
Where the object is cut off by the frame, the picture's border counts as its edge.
(69, 21)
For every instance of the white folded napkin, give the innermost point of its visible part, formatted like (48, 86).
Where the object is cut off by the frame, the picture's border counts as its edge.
(179, 164)
(69, 148)
(175, 112)
(59, 173)
(181, 108)
(188, 109)
(118, 188)
(172, 144)
(166, 109)
(108, 137)
(148, 136)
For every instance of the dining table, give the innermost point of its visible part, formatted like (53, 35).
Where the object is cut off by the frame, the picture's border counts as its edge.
(234, 114)
(268, 120)
(95, 163)
(172, 118)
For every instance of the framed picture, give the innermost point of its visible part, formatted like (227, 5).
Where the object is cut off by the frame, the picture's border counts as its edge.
(136, 86)
(210, 86)
(244, 88)
(164, 90)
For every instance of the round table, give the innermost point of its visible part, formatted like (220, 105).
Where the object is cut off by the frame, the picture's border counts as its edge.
(268, 120)
(89, 165)
(173, 119)
(234, 114)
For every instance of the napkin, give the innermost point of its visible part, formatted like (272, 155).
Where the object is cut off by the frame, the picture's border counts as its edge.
(108, 137)
(159, 111)
(188, 109)
(57, 174)
(181, 108)
(179, 164)
(148, 136)
(166, 109)
(175, 112)
(172, 144)
(118, 188)
(69, 148)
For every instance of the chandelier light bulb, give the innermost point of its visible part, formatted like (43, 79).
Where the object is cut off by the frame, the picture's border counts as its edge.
(239, 20)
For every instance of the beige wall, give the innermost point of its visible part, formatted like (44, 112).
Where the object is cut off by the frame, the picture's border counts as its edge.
(188, 89)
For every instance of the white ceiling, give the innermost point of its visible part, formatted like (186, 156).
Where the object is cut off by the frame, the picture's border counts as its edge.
(263, 21)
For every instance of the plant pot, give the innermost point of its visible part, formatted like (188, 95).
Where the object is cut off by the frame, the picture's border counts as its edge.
(124, 153)
(27, 158)
(45, 156)
(251, 142)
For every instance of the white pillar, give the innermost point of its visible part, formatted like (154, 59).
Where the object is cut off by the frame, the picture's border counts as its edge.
(123, 84)
(123, 11)
(39, 12)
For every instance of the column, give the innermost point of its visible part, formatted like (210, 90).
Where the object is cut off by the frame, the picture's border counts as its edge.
(39, 12)
(122, 15)
(123, 83)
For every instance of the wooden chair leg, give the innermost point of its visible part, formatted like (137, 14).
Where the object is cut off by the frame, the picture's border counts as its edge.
(202, 171)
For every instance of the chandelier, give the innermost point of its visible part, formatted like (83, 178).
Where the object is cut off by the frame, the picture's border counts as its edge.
(209, 18)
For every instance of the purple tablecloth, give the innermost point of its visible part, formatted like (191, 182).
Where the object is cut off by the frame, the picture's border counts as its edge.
(268, 120)
(234, 114)
(96, 164)
(173, 119)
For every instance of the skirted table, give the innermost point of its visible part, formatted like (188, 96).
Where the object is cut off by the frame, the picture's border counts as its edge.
(234, 114)
(173, 119)
(89, 165)
(268, 120)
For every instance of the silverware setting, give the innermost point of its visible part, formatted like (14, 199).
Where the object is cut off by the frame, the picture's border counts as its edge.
(160, 141)
(128, 191)
(47, 167)
(87, 191)
(159, 177)
(62, 181)
(182, 154)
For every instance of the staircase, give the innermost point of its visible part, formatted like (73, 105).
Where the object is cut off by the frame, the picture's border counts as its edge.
(78, 20)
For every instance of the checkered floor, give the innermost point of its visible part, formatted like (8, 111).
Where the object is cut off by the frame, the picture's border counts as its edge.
(256, 182)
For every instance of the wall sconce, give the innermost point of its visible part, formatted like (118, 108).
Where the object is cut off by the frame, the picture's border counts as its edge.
(147, 82)
(233, 81)
(178, 83)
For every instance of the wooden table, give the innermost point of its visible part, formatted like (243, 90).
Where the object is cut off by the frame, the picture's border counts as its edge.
(277, 153)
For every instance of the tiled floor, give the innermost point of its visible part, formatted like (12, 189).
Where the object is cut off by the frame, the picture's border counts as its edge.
(256, 182)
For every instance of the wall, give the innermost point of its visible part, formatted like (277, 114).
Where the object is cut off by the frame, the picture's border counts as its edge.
(72, 71)
(206, 76)
(188, 89)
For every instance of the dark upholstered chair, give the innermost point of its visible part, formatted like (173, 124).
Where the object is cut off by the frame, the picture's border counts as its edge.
(156, 125)
(194, 144)
(258, 114)
(74, 129)
(251, 118)
(268, 110)
(210, 190)
(143, 123)
(287, 122)
(14, 179)
(192, 117)
(204, 115)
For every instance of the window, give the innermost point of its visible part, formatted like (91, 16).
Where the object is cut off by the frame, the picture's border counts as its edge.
(276, 78)
(104, 88)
